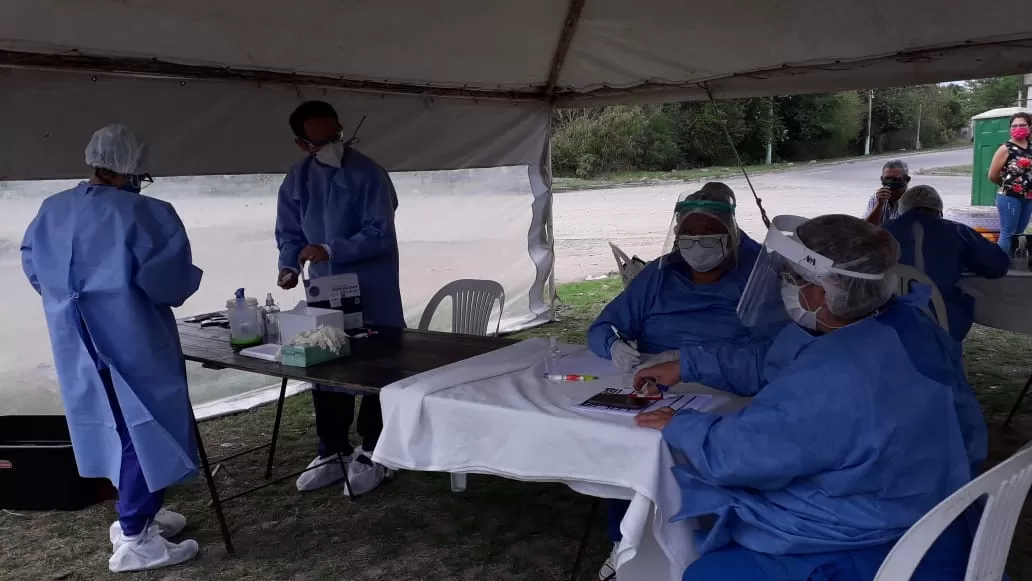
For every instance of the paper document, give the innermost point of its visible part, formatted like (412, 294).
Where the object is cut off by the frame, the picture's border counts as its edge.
(621, 400)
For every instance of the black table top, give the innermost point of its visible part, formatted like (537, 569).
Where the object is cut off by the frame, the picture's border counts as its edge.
(380, 360)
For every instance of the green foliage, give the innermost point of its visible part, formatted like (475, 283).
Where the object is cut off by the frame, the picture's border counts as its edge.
(587, 143)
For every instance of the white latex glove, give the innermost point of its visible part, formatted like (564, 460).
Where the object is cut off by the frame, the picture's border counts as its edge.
(625, 357)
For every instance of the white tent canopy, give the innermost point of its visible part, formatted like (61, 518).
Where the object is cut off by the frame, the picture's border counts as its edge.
(447, 85)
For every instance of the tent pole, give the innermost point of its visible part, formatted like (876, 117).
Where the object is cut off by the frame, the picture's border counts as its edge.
(565, 40)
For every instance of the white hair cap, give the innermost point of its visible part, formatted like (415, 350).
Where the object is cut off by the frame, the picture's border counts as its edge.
(116, 148)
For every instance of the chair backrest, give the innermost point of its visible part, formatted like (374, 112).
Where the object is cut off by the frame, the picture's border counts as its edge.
(627, 267)
(472, 303)
(1005, 487)
(908, 274)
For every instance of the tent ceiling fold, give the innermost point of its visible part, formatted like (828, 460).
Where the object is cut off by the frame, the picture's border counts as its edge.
(577, 51)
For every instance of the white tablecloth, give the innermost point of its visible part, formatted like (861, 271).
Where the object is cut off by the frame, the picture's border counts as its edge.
(1002, 303)
(496, 414)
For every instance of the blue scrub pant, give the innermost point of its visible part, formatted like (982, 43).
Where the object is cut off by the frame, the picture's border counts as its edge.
(946, 560)
(136, 504)
(334, 412)
(1015, 214)
(615, 511)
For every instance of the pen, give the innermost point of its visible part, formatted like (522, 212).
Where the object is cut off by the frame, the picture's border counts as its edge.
(571, 377)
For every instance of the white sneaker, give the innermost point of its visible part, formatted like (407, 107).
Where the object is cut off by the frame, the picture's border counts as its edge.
(329, 471)
(169, 525)
(364, 475)
(608, 570)
(149, 550)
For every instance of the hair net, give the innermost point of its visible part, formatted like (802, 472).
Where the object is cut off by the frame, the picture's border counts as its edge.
(858, 246)
(920, 197)
(117, 149)
(714, 199)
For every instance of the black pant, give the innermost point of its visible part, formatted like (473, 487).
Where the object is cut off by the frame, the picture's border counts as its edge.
(334, 412)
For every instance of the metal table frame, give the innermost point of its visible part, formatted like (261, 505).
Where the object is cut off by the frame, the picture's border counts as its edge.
(386, 357)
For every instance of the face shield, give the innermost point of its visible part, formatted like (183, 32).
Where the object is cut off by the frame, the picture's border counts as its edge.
(722, 212)
(783, 257)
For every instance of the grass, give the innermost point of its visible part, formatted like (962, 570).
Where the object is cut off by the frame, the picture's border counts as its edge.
(414, 528)
(638, 178)
(951, 170)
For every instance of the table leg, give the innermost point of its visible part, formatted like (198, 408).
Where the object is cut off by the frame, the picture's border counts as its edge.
(595, 502)
(213, 490)
(1017, 403)
(276, 427)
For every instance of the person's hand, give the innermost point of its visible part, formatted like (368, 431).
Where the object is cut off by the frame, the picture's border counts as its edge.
(883, 195)
(287, 279)
(656, 420)
(668, 374)
(314, 253)
(625, 357)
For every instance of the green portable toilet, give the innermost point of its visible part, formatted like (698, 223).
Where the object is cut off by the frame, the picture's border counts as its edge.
(989, 130)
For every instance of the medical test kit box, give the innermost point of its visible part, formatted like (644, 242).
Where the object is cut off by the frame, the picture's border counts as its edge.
(338, 292)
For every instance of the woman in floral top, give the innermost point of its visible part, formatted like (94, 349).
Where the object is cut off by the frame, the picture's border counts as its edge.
(1011, 169)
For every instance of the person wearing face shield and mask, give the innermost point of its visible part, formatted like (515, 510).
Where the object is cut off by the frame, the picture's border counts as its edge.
(110, 264)
(884, 204)
(689, 294)
(862, 422)
(336, 212)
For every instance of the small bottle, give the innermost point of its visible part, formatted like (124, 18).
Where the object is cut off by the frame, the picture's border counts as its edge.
(270, 314)
(552, 364)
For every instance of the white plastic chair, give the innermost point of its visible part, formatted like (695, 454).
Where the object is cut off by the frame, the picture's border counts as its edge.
(908, 274)
(627, 267)
(1005, 487)
(472, 303)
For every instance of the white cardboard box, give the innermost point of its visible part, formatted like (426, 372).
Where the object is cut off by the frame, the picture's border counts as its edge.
(304, 318)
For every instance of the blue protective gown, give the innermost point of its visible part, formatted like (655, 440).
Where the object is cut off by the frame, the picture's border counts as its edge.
(110, 265)
(852, 437)
(950, 249)
(662, 308)
(351, 210)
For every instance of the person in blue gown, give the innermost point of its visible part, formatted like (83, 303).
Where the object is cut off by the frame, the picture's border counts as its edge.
(949, 250)
(336, 212)
(109, 264)
(687, 296)
(862, 421)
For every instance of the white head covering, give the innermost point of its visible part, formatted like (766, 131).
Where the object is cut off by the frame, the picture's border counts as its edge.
(117, 149)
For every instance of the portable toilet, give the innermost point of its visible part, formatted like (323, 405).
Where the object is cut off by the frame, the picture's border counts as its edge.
(990, 130)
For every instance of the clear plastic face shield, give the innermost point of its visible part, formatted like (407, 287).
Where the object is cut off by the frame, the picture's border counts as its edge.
(784, 258)
(722, 212)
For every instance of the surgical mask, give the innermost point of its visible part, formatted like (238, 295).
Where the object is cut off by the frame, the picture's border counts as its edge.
(791, 297)
(1019, 133)
(894, 183)
(331, 154)
(703, 253)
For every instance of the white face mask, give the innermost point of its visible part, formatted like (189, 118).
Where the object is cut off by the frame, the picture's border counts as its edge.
(791, 297)
(331, 154)
(704, 253)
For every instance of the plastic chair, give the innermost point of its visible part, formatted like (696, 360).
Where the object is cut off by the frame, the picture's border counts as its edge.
(908, 274)
(472, 303)
(1005, 488)
(627, 267)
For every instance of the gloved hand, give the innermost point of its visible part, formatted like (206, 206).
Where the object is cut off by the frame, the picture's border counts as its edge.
(625, 357)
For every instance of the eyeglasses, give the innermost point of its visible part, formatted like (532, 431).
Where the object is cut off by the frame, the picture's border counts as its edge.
(685, 242)
(141, 181)
(321, 142)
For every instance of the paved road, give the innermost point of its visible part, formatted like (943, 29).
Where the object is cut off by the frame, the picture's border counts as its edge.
(638, 219)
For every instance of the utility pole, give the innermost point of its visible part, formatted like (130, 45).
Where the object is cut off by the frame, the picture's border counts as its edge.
(1027, 82)
(870, 102)
(770, 134)
(917, 140)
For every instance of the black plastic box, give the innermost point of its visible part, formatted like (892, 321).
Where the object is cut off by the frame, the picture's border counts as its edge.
(37, 467)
